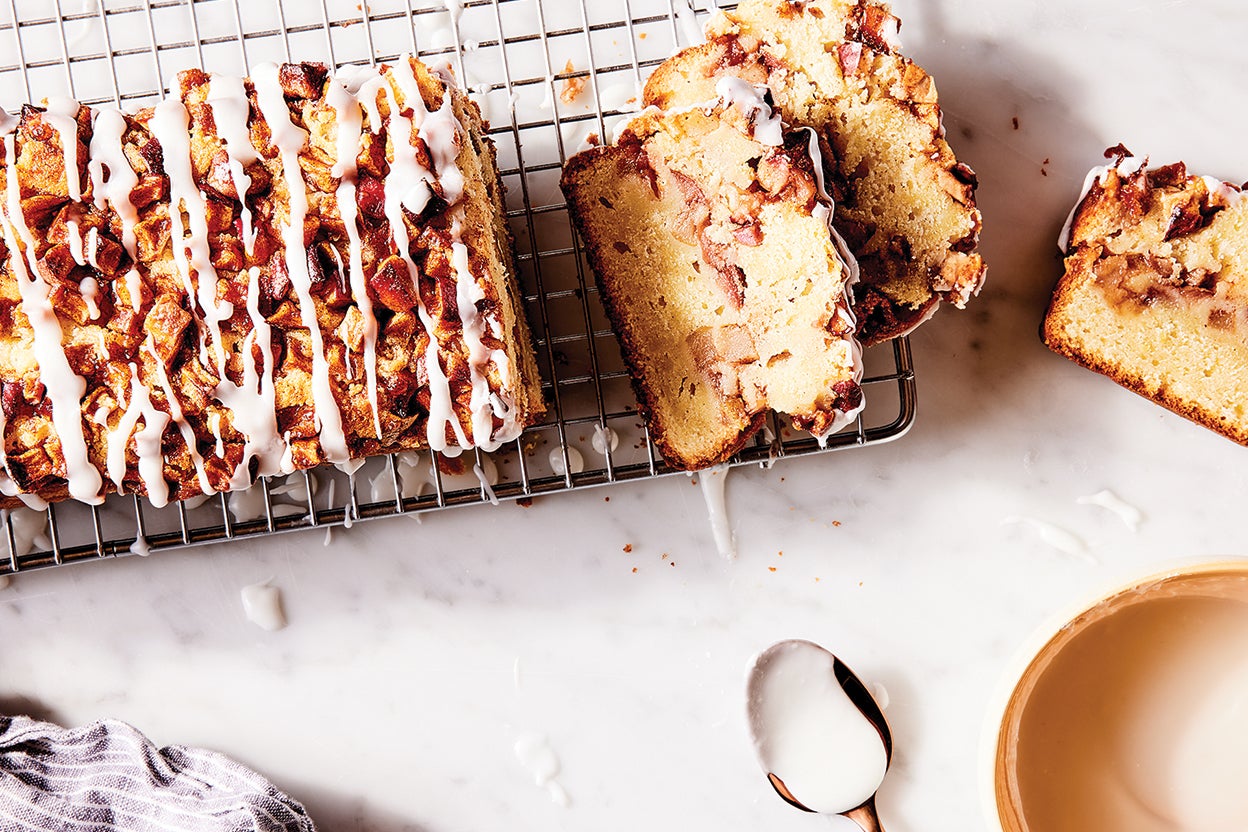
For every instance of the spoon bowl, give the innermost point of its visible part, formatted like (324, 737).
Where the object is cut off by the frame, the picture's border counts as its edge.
(820, 736)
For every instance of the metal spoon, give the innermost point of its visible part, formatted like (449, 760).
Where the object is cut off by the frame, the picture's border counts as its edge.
(815, 723)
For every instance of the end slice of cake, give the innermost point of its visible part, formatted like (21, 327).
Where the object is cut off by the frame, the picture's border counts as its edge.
(253, 277)
(1155, 293)
(904, 202)
(720, 274)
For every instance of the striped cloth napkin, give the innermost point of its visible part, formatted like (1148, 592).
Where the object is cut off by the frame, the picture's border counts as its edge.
(107, 777)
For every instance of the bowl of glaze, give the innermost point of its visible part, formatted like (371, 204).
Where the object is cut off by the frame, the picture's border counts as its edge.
(1132, 715)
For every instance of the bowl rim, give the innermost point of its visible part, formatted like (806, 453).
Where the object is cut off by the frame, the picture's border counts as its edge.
(1054, 628)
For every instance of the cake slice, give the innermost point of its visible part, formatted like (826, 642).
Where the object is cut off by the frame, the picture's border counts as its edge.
(710, 240)
(904, 203)
(1155, 292)
(253, 277)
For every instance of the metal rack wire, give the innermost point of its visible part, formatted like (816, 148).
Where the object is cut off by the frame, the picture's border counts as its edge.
(548, 74)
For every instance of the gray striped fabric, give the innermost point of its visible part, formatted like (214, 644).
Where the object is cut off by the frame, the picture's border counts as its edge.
(107, 777)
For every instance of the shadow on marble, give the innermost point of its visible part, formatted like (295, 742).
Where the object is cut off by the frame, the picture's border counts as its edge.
(905, 724)
(1009, 114)
(345, 813)
(26, 706)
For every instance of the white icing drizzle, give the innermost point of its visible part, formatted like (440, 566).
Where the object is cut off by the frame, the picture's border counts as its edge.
(1054, 535)
(214, 427)
(147, 442)
(61, 114)
(175, 413)
(65, 388)
(767, 127)
(170, 125)
(107, 153)
(74, 239)
(227, 96)
(467, 293)
(253, 405)
(33, 501)
(440, 130)
(844, 309)
(289, 139)
(350, 127)
(713, 481)
(8, 122)
(1225, 191)
(407, 187)
(1106, 499)
(694, 34)
(93, 247)
(487, 487)
(89, 288)
(1127, 166)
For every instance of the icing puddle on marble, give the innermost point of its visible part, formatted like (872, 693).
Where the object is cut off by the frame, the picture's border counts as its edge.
(263, 605)
(535, 754)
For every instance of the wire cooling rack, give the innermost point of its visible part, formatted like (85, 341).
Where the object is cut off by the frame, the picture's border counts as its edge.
(547, 74)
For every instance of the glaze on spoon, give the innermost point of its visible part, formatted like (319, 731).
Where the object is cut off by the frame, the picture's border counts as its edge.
(820, 737)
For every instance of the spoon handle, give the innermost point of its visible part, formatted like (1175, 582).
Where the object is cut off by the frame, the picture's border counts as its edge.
(866, 817)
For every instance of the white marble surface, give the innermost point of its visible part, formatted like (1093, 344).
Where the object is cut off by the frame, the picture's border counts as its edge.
(417, 656)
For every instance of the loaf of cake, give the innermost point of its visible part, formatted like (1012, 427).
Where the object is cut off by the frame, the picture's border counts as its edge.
(250, 278)
(904, 203)
(708, 231)
(1155, 291)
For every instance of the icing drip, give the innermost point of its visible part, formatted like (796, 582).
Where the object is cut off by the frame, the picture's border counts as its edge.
(61, 114)
(253, 404)
(184, 427)
(170, 125)
(1227, 193)
(90, 289)
(106, 153)
(768, 129)
(93, 247)
(289, 140)
(467, 293)
(1128, 166)
(65, 388)
(74, 240)
(147, 442)
(228, 98)
(440, 130)
(694, 34)
(407, 188)
(713, 481)
(349, 121)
